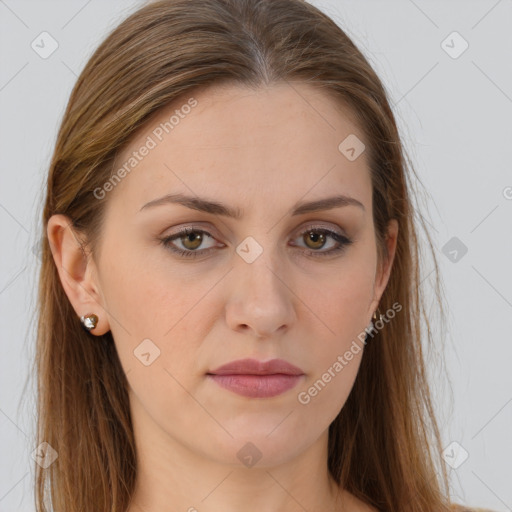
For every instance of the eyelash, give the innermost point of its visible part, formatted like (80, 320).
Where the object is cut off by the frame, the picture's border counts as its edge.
(166, 242)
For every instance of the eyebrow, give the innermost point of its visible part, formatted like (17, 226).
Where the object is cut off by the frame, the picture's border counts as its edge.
(216, 208)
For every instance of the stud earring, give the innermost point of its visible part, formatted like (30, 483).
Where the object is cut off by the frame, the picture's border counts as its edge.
(89, 321)
(372, 325)
(381, 317)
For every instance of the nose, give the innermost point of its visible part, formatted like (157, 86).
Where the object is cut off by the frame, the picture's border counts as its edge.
(260, 297)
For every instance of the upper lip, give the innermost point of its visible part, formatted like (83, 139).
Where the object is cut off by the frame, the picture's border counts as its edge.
(255, 367)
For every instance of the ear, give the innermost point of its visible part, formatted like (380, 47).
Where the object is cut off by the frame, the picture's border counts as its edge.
(384, 269)
(76, 271)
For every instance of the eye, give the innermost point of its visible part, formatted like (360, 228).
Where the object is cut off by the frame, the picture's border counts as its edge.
(315, 238)
(191, 239)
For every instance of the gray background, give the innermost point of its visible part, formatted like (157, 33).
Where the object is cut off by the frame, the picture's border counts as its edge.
(454, 115)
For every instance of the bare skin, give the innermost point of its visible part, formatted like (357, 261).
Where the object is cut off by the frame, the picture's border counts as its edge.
(261, 151)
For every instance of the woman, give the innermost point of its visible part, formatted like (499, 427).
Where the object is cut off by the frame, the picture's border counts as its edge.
(228, 217)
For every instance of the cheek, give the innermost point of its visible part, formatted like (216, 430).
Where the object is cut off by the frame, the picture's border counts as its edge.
(335, 355)
(144, 302)
(336, 342)
(146, 292)
(156, 322)
(340, 299)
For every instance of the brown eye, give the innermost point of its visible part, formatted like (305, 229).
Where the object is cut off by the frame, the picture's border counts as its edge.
(317, 239)
(192, 240)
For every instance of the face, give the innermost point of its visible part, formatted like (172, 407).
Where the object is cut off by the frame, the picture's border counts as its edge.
(278, 280)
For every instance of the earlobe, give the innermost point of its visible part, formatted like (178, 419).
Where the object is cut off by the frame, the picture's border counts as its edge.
(75, 270)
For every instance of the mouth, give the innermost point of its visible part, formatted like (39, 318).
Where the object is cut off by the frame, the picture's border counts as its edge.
(257, 379)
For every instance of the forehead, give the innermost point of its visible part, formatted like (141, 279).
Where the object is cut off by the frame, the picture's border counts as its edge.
(245, 146)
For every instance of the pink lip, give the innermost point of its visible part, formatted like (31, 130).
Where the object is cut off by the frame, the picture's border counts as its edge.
(257, 379)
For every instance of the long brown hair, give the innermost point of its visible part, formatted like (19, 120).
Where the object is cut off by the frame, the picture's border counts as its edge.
(384, 446)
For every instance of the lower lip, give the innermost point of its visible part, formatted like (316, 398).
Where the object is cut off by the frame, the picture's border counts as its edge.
(257, 386)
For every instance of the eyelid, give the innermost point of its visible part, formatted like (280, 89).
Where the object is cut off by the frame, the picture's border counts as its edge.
(311, 225)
